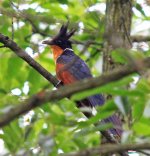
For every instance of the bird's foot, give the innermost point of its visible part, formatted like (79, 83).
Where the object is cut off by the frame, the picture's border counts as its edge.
(60, 83)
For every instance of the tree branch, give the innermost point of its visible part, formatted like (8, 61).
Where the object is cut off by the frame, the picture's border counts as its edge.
(139, 38)
(107, 149)
(67, 91)
(23, 55)
(88, 42)
(26, 15)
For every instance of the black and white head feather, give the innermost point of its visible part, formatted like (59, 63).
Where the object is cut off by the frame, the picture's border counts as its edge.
(62, 38)
(64, 33)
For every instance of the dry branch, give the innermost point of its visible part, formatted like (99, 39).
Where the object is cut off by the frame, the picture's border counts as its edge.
(107, 149)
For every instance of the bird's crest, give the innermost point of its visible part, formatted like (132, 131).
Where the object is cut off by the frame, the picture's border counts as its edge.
(64, 33)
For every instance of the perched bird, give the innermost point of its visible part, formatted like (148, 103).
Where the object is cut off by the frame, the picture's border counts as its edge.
(71, 68)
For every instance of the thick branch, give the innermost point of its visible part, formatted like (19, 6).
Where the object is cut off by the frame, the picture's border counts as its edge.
(67, 91)
(140, 38)
(22, 54)
(106, 149)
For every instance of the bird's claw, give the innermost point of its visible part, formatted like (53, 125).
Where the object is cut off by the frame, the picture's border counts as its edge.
(60, 83)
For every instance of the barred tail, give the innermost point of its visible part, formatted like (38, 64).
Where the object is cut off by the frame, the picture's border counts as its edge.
(98, 100)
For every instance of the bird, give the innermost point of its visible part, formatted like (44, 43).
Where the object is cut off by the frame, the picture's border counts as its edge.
(70, 68)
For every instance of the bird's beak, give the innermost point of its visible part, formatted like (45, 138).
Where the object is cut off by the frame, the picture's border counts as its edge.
(48, 42)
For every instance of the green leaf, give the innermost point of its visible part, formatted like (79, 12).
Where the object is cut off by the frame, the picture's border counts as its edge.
(113, 88)
(99, 116)
(34, 79)
(13, 141)
(118, 57)
(140, 9)
(141, 128)
(103, 112)
(3, 91)
(88, 130)
(138, 107)
(14, 66)
(63, 1)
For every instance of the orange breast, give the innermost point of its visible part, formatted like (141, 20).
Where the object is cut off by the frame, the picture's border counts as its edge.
(64, 75)
(57, 51)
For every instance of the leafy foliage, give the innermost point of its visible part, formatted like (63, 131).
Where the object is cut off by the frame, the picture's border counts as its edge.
(59, 126)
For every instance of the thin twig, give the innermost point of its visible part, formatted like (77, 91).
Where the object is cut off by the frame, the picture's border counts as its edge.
(12, 28)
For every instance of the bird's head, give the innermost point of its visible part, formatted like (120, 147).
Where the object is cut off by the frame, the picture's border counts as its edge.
(61, 40)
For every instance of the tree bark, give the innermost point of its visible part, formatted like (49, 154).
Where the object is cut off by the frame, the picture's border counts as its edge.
(117, 31)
